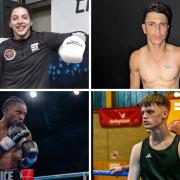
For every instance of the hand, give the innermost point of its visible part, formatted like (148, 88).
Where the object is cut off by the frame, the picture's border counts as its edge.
(15, 133)
(120, 168)
(117, 169)
(29, 153)
(73, 47)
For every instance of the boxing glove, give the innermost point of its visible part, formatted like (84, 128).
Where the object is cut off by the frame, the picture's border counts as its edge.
(15, 133)
(73, 47)
(29, 153)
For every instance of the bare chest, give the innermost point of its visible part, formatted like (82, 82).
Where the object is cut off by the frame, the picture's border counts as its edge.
(11, 158)
(159, 71)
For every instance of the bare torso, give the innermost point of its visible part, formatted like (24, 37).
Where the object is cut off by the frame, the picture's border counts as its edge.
(12, 158)
(160, 73)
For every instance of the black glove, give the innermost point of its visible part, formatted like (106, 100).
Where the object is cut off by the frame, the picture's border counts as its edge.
(15, 133)
(29, 153)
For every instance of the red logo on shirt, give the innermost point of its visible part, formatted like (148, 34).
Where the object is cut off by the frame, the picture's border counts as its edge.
(9, 54)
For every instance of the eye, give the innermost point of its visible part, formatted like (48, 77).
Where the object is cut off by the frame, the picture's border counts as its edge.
(18, 112)
(14, 18)
(151, 24)
(149, 111)
(164, 24)
(25, 17)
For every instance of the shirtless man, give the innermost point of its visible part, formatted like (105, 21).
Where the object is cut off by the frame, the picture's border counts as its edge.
(16, 146)
(156, 64)
(157, 157)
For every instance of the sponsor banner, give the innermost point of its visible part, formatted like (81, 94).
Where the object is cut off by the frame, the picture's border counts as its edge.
(129, 116)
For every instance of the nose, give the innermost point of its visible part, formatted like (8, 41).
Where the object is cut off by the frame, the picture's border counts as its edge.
(158, 28)
(144, 116)
(20, 20)
(21, 117)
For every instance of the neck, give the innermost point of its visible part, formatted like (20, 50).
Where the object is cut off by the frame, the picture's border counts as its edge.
(157, 50)
(159, 135)
(16, 37)
(4, 123)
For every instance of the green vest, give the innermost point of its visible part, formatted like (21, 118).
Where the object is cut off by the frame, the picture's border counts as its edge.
(160, 164)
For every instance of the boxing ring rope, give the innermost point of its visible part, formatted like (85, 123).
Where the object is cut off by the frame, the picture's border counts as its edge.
(82, 174)
(109, 173)
(63, 176)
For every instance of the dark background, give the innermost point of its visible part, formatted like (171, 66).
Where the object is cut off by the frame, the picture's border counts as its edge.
(116, 33)
(58, 122)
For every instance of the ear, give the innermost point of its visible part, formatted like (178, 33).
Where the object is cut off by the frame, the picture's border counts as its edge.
(31, 22)
(165, 114)
(144, 28)
(10, 25)
(5, 110)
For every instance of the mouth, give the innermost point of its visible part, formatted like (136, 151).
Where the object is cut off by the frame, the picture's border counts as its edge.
(157, 37)
(146, 122)
(21, 28)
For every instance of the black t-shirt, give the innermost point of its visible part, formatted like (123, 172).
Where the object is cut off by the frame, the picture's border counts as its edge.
(160, 164)
(24, 62)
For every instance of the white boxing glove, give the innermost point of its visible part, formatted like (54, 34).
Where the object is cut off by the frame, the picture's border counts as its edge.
(73, 47)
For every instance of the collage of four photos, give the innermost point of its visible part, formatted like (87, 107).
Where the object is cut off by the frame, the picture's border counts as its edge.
(89, 90)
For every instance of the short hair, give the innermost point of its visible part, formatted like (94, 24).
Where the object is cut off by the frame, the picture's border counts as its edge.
(159, 8)
(18, 6)
(157, 99)
(12, 100)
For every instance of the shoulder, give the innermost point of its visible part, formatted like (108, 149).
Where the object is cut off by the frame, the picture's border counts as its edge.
(4, 41)
(179, 146)
(43, 34)
(174, 52)
(138, 54)
(173, 49)
(136, 150)
(137, 147)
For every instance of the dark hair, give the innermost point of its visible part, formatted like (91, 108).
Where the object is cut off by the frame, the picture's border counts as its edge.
(18, 6)
(12, 100)
(158, 99)
(159, 8)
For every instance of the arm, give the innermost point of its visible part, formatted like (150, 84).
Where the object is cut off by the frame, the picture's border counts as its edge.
(73, 47)
(29, 153)
(70, 46)
(15, 134)
(134, 168)
(134, 71)
(179, 149)
(120, 168)
(175, 127)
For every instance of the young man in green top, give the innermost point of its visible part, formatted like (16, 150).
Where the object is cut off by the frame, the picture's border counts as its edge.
(158, 156)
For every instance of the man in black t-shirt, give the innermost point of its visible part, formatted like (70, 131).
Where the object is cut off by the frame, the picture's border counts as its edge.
(24, 57)
(158, 156)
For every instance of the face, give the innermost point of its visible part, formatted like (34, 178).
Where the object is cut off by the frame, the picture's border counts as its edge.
(15, 113)
(156, 28)
(154, 116)
(20, 23)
